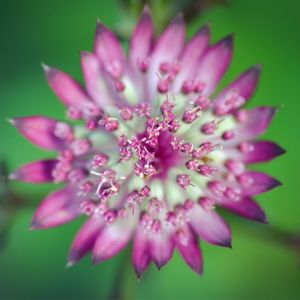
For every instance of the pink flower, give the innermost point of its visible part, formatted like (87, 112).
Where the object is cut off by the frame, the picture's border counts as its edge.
(156, 154)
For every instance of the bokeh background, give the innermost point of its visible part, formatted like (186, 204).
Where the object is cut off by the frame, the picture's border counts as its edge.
(260, 266)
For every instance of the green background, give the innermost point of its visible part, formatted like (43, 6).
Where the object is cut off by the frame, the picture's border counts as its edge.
(32, 263)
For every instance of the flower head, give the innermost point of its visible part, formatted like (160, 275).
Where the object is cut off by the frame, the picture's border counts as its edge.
(155, 154)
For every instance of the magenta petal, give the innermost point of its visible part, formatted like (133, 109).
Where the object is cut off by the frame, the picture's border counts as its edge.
(111, 240)
(187, 244)
(109, 50)
(39, 131)
(35, 172)
(245, 85)
(190, 57)
(57, 209)
(214, 63)
(210, 226)
(257, 121)
(142, 38)
(69, 91)
(247, 208)
(261, 183)
(85, 239)
(262, 151)
(161, 249)
(140, 252)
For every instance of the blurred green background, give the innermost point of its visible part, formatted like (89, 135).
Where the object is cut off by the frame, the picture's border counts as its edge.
(32, 263)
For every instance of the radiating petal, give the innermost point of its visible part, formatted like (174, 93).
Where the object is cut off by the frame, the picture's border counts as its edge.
(39, 131)
(111, 240)
(85, 239)
(260, 183)
(187, 244)
(58, 208)
(262, 151)
(245, 86)
(142, 38)
(210, 226)
(214, 63)
(35, 172)
(140, 252)
(247, 208)
(69, 91)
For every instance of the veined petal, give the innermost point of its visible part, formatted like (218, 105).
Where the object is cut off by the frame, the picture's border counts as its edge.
(247, 208)
(190, 57)
(262, 151)
(85, 239)
(142, 38)
(210, 226)
(111, 240)
(214, 63)
(109, 51)
(140, 252)
(35, 172)
(58, 208)
(244, 86)
(69, 91)
(260, 183)
(187, 244)
(39, 131)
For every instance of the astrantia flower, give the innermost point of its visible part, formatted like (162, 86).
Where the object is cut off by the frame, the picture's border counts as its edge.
(155, 154)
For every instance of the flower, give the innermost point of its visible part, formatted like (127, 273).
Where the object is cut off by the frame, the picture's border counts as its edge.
(156, 153)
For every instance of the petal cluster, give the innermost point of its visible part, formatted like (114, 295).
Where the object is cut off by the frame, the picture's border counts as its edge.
(155, 153)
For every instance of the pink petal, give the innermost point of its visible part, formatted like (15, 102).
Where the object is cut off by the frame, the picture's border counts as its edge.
(94, 80)
(190, 57)
(247, 208)
(210, 226)
(261, 183)
(39, 131)
(167, 49)
(111, 240)
(109, 50)
(142, 38)
(262, 151)
(245, 85)
(214, 63)
(35, 172)
(140, 252)
(187, 244)
(69, 91)
(85, 239)
(161, 249)
(57, 209)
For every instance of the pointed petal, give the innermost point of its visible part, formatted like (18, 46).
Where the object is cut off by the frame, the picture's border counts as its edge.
(214, 63)
(85, 239)
(256, 122)
(69, 91)
(245, 85)
(210, 226)
(35, 172)
(109, 50)
(140, 252)
(39, 131)
(247, 208)
(58, 208)
(142, 38)
(190, 57)
(187, 244)
(94, 80)
(261, 183)
(161, 249)
(112, 239)
(262, 151)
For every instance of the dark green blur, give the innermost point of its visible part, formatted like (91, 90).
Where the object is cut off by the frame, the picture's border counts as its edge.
(32, 263)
